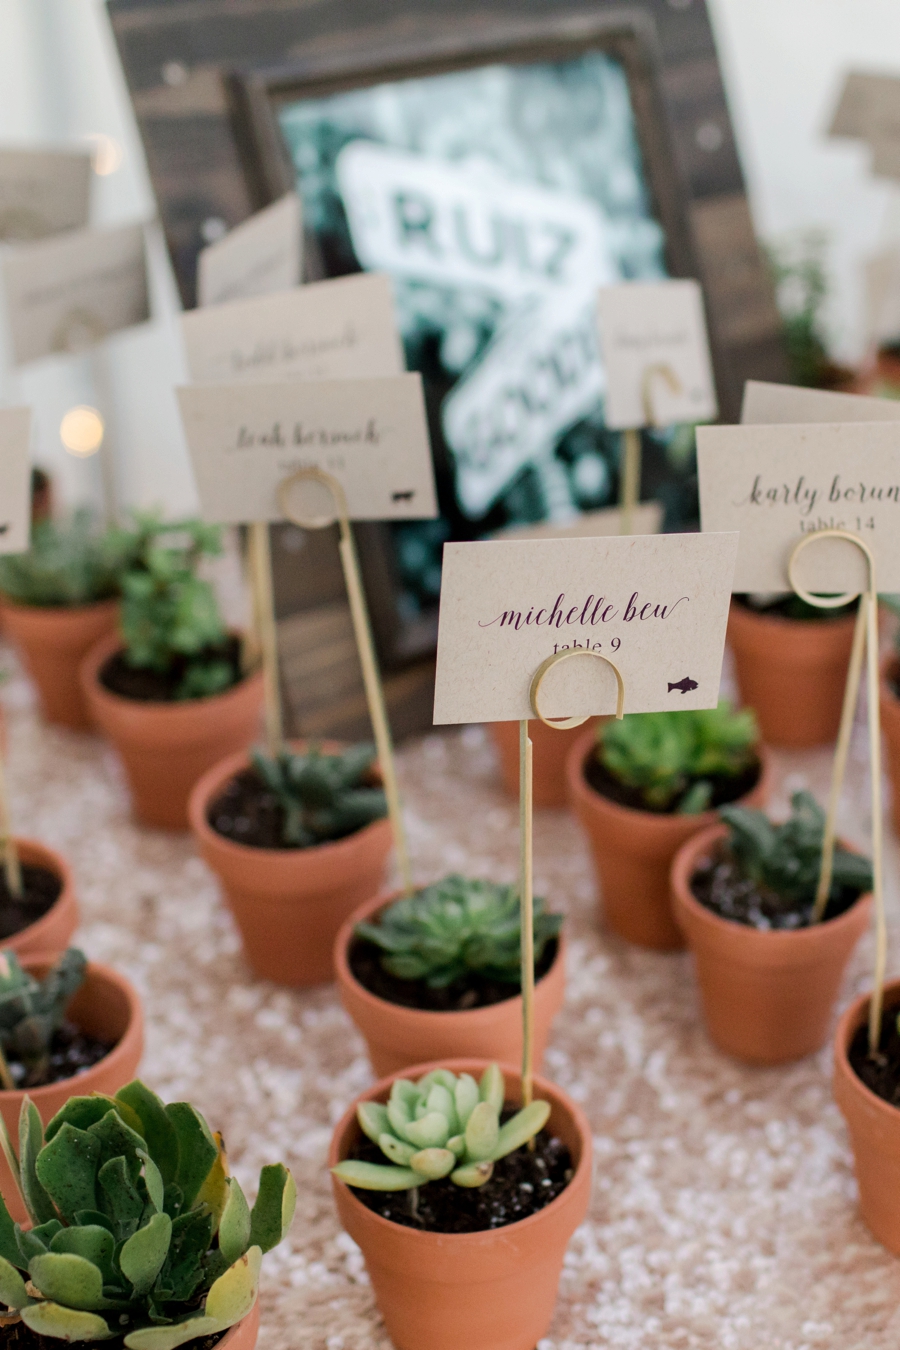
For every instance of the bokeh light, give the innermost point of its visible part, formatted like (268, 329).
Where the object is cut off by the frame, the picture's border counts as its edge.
(81, 431)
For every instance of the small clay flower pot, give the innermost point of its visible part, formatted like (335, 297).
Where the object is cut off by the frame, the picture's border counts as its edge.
(244, 1335)
(493, 1290)
(289, 903)
(106, 1006)
(50, 933)
(166, 747)
(767, 994)
(52, 643)
(890, 725)
(396, 1037)
(792, 673)
(548, 759)
(633, 851)
(874, 1127)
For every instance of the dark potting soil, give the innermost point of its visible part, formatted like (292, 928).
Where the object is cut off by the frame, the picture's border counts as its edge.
(722, 887)
(16, 1336)
(792, 607)
(71, 1052)
(161, 686)
(880, 1072)
(249, 813)
(41, 889)
(521, 1184)
(472, 991)
(725, 787)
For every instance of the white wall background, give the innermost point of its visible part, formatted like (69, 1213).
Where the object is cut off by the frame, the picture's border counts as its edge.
(783, 62)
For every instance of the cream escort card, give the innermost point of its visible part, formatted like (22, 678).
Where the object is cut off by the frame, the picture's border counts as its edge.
(67, 293)
(325, 330)
(655, 605)
(776, 484)
(43, 192)
(369, 434)
(15, 479)
(654, 346)
(260, 256)
(769, 404)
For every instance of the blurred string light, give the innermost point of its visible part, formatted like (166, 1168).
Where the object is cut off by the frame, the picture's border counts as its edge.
(81, 431)
(106, 153)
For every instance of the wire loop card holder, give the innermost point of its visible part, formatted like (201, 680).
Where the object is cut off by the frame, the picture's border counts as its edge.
(9, 854)
(865, 639)
(293, 499)
(526, 856)
(631, 463)
(259, 558)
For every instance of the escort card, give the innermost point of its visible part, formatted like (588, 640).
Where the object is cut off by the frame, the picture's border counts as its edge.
(777, 484)
(768, 404)
(868, 108)
(328, 330)
(645, 326)
(43, 192)
(655, 605)
(67, 293)
(15, 479)
(646, 518)
(371, 435)
(262, 255)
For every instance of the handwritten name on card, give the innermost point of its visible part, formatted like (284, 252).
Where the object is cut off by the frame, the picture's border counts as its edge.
(67, 293)
(15, 479)
(371, 435)
(655, 349)
(261, 256)
(655, 605)
(43, 192)
(776, 484)
(328, 330)
(770, 404)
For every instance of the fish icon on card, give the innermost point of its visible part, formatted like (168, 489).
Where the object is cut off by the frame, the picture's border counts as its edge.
(685, 685)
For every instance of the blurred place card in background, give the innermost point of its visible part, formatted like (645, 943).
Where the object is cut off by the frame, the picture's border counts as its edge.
(771, 404)
(43, 192)
(15, 479)
(260, 256)
(327, 330)
(371, 435)
(646, 518)
(882, 284)
(778, 483)
(657, 606)
(68, 293)
(868, 108)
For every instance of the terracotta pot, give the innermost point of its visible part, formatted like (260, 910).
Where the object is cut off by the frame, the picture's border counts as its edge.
(548, 759)
(493, 1290)
(166, 747)
(633, 852)
(874, 1127)
(396, 1037)
(792, 673)
(106, 1006)
(890, 725)
(52, 643)
(52, 932)
(289, 903)
(767, 995)
(243, 1336)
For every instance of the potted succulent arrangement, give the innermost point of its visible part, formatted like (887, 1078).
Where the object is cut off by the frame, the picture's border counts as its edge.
(769, 963)
(439, 973)
(791, 662)
(550, 749)
(463, 1201)
(66, 1025)
(60, 598)
(298, 841)
(136, 1233)
(169, 689)
(38, 908)
(641, 787)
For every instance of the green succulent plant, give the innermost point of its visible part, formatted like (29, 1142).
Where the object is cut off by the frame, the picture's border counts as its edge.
(32, 1010)
(786, 858)
(68, 563)
(170, 615)
(443, 1125)
(454, 927)
(138, 1230)
(323, 796)
(671, 757)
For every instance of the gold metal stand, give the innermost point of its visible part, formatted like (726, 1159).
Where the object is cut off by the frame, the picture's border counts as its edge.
(865, 637)
(526, 852)
(259, 558)
(630, 492)
(363, 633)
(11, 865)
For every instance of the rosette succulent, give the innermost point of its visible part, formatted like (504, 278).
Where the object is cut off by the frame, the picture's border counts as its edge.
(32, 1010)
(323, 796)
(68, 563)
(455, 927)
(138, 1232)
(445, 1125)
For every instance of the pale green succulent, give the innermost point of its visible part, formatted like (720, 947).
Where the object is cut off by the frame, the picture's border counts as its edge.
(443, 1125)
(32, 1010)
(138, 1232)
